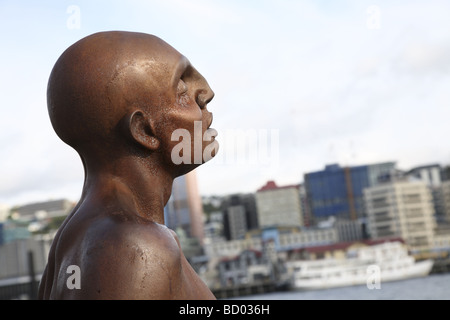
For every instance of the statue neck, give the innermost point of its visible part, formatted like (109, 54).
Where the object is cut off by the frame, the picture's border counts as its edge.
(133, 186)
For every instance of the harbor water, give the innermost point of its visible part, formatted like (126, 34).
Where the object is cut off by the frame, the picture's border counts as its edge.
(432, 287)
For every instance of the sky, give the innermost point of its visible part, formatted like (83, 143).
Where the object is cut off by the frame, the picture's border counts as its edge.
(298, 85)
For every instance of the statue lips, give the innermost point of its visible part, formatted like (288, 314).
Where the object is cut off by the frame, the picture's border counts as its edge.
(210, 135)
(211, 132)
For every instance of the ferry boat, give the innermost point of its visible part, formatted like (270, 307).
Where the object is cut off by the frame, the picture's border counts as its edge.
(367, 265)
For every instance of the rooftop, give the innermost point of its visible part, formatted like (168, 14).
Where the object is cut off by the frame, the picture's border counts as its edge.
(271, 185)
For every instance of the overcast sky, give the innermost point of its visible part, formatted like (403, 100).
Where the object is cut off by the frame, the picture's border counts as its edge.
(316, 82)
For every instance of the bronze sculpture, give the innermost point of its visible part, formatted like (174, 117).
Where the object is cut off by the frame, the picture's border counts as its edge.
(116, 98)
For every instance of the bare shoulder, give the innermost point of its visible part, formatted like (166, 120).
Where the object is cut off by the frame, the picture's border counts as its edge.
(130, 261)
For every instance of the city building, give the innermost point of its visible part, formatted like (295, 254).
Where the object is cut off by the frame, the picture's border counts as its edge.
(249, 266)
(213, 228)
(445, 193)
(432, 175)
(10, 231)
(239, 215)
(347, 230)
(4, 212)
(283, 239)
(184, 208)
(306, 212)
(401, 209)
(43, 210)
(247, 201)
(235, 224)
(338, 191)
(278, 206)
(21, 261)
(351, 230)
(441, 240)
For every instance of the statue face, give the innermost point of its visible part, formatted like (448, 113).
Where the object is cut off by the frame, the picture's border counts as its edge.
(105, 77)
(190, 139)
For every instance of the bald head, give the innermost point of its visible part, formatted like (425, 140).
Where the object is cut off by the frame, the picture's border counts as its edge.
(115, 92)
(101, 78)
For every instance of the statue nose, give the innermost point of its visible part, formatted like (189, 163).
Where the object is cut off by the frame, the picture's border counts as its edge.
(204, 96)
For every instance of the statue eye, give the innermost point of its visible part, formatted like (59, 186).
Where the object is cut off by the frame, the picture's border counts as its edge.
(182, 87)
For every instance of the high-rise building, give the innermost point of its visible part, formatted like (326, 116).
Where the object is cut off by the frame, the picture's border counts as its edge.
(247, 201)
(306, 212)
(445, 192)
(184, 208)
(235, 222)
(401, 209)
(432, 175)
(338, 191)
(279, 206)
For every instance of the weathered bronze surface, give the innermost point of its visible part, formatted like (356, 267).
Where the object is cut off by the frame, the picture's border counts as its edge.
(116, 98)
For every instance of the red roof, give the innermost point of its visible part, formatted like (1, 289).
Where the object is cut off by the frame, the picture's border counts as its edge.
(271, 185)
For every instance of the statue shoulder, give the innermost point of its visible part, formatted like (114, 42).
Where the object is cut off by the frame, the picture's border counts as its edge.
(132, 261)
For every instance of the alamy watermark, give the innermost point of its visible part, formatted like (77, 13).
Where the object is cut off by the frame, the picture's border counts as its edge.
(74, 20)
(74, 280)
(238, 146)
(373, 277)
(373, 17)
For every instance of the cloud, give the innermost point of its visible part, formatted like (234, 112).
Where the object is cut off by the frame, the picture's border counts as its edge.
(424, 58)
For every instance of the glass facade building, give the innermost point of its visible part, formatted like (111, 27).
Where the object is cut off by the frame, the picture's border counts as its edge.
(338, 191)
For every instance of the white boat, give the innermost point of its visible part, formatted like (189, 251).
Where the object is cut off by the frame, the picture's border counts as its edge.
(367, 265)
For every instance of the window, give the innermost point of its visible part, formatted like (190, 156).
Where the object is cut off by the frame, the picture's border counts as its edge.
(412, 198)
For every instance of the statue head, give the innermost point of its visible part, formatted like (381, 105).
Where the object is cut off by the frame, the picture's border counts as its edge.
(123, 94)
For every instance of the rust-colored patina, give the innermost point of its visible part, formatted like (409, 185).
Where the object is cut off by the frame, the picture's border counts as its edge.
(116, 98)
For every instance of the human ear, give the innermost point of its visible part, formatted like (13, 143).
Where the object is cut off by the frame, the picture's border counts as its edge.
(141, 130)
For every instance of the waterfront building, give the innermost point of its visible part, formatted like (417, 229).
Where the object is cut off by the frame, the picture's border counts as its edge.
(4, 211)
(338, 250)
(235, 224)
(351, 230)
(441, 240)
(43, 210)
(338, 191)
(249, 266)
(239, 215)
(403, 209)
(283, 239)
(213, 228)
(10, 231)
(306, 237)
(226, 248)
(445, 196)
(432, 175)
(16, 259)
(278, 206)
(247, 201)
(306, 212)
